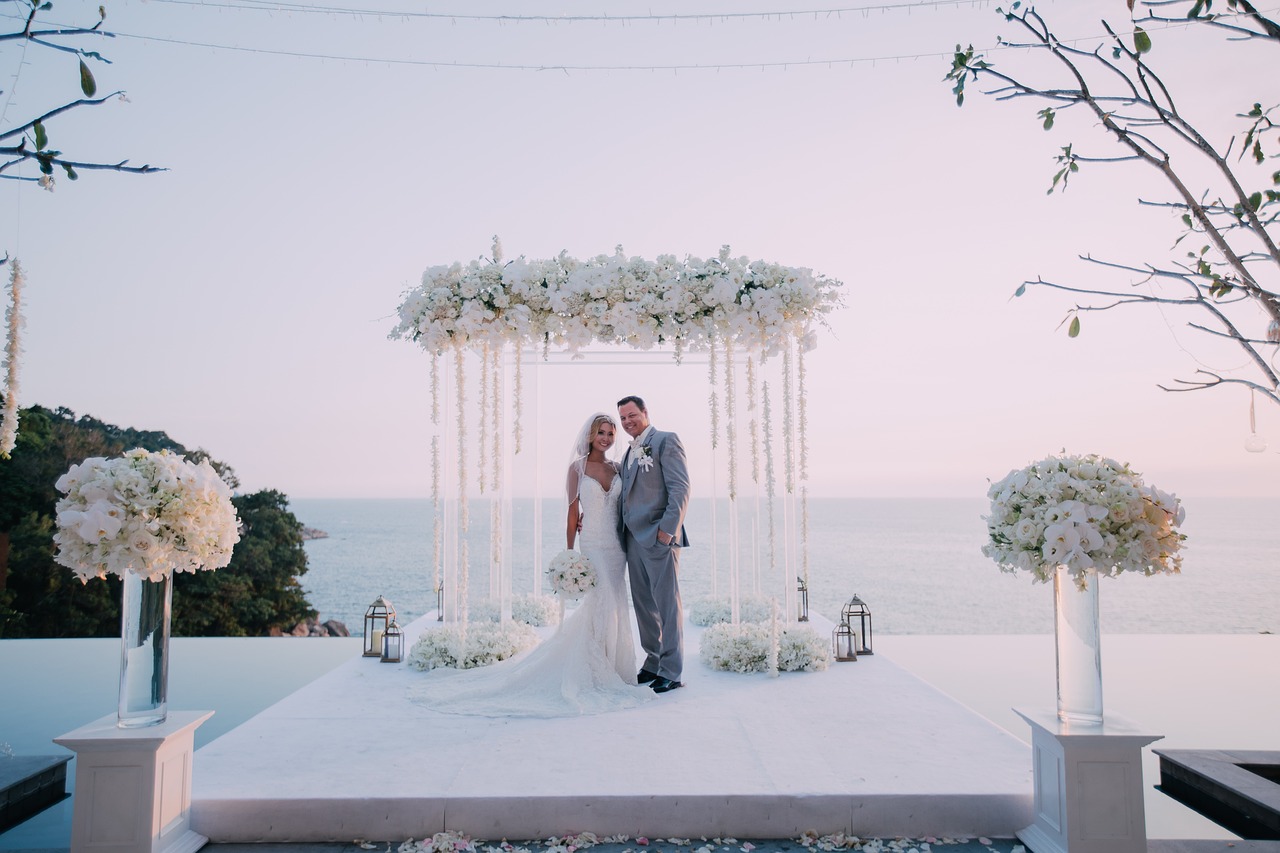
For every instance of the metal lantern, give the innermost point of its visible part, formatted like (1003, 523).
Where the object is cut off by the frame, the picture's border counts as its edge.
(843, 645)
(392, 643)
(376, 619)
(803, 589)
(857, 616)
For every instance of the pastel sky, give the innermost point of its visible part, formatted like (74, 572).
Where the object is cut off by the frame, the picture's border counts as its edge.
(241, 300)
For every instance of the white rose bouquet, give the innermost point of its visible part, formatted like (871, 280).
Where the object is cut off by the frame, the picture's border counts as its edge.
(1085, 513)
(571, 574)
(148, 513)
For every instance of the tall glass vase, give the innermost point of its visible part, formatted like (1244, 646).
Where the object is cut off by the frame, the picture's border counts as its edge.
(1078, 646)
(144, 650)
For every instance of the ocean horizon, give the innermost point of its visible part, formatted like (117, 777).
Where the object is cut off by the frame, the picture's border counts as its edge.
(916, 562)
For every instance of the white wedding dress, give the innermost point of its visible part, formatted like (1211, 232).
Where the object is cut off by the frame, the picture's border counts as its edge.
(588, 666)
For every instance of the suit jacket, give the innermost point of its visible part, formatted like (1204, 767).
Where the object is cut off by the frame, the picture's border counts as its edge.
(655, 497)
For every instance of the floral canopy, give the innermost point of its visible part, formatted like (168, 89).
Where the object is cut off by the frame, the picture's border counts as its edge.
(740, 312)
(615, 299)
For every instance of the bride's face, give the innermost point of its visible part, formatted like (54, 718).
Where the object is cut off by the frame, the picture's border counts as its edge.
(604, 437)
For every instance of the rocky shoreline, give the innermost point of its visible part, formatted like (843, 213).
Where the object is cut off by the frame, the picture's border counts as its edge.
(313, 533)
(313, 628)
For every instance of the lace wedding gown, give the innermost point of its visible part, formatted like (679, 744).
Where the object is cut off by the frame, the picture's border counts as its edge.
(588, 666)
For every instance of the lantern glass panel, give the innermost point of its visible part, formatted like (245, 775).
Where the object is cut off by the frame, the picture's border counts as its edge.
(376, 619)
(392, 644)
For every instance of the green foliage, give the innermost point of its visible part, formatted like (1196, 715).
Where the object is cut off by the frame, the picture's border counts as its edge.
(1070, 165)
(1141, 41)
(258, 591)
(87, 84)
(964, 66)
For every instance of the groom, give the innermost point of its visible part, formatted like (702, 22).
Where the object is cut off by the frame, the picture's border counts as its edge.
(655, 494)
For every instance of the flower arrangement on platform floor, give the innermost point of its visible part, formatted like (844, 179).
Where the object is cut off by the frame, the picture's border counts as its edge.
(1087, 513)
(715, 611)
(747, 647)
(571, 573)
(485, 643)
(540, 611)
(614, 299)
(144, 512)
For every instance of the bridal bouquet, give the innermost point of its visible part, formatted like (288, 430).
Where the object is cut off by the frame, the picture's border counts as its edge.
(149, 513)
(571, 573)
(1087, 513)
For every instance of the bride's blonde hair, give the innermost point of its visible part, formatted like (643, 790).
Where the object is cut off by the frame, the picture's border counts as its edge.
(594, 429)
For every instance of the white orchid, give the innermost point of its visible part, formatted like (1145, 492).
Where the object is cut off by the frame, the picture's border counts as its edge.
(148, 513)
(1087, 513)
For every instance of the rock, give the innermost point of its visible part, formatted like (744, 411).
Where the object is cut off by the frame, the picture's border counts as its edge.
(313, 533)
(334, 628)
(300, 630)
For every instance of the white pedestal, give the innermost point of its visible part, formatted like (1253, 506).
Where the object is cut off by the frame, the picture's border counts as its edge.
(1088, 786)
(133, 786)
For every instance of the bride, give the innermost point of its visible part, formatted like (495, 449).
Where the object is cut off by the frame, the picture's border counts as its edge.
(589, 665)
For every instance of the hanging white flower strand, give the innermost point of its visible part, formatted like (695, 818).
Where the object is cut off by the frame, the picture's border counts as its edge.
(730, 416)
(753, 427)
(517, 427)
(803, 413)
(12, 350)
(483, 439)
(715, 399)
(437, 520)
(773, 637)
(437, 534)
(788, 423)
(769, 484)
(464, 512)
(495, 432)
(495, 513)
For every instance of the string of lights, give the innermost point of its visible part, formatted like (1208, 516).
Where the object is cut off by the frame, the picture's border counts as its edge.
(675, 67)
(817, 14)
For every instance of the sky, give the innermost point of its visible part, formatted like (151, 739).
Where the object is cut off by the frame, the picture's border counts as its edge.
(241, 300)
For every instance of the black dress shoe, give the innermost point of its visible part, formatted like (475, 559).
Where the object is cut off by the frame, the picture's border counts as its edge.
(664, 685)
(645, 676)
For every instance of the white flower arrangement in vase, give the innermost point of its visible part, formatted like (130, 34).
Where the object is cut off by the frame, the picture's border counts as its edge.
(1087, 513)
(571, 574)
(146, 513)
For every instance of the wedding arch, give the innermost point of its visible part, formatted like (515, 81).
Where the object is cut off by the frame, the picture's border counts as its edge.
(486, 323)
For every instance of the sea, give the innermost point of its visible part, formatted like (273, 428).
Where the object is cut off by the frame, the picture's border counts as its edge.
(915, 562)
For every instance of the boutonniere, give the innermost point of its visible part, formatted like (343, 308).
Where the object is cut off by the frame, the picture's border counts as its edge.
(643, 457)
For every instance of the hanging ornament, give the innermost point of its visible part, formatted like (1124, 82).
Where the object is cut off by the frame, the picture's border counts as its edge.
(1273, 331)
(1254, 443)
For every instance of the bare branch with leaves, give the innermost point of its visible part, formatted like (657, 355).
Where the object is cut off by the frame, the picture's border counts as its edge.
(32, 135)
(1233, 278)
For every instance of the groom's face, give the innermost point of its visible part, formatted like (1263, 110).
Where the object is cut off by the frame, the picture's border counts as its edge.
(633, 419)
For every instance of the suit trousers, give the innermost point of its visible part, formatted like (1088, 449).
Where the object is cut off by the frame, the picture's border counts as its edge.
(655, 592)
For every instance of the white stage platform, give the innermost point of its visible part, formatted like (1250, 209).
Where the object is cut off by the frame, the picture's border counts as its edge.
(863, 748)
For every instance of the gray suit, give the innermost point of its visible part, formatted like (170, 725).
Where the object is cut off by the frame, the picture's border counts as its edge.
(655, 497)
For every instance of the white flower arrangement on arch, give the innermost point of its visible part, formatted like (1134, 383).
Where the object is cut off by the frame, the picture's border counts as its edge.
(747, 648)
(1088, 513)
(144, 512)
(481, 644)
(614, 299)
